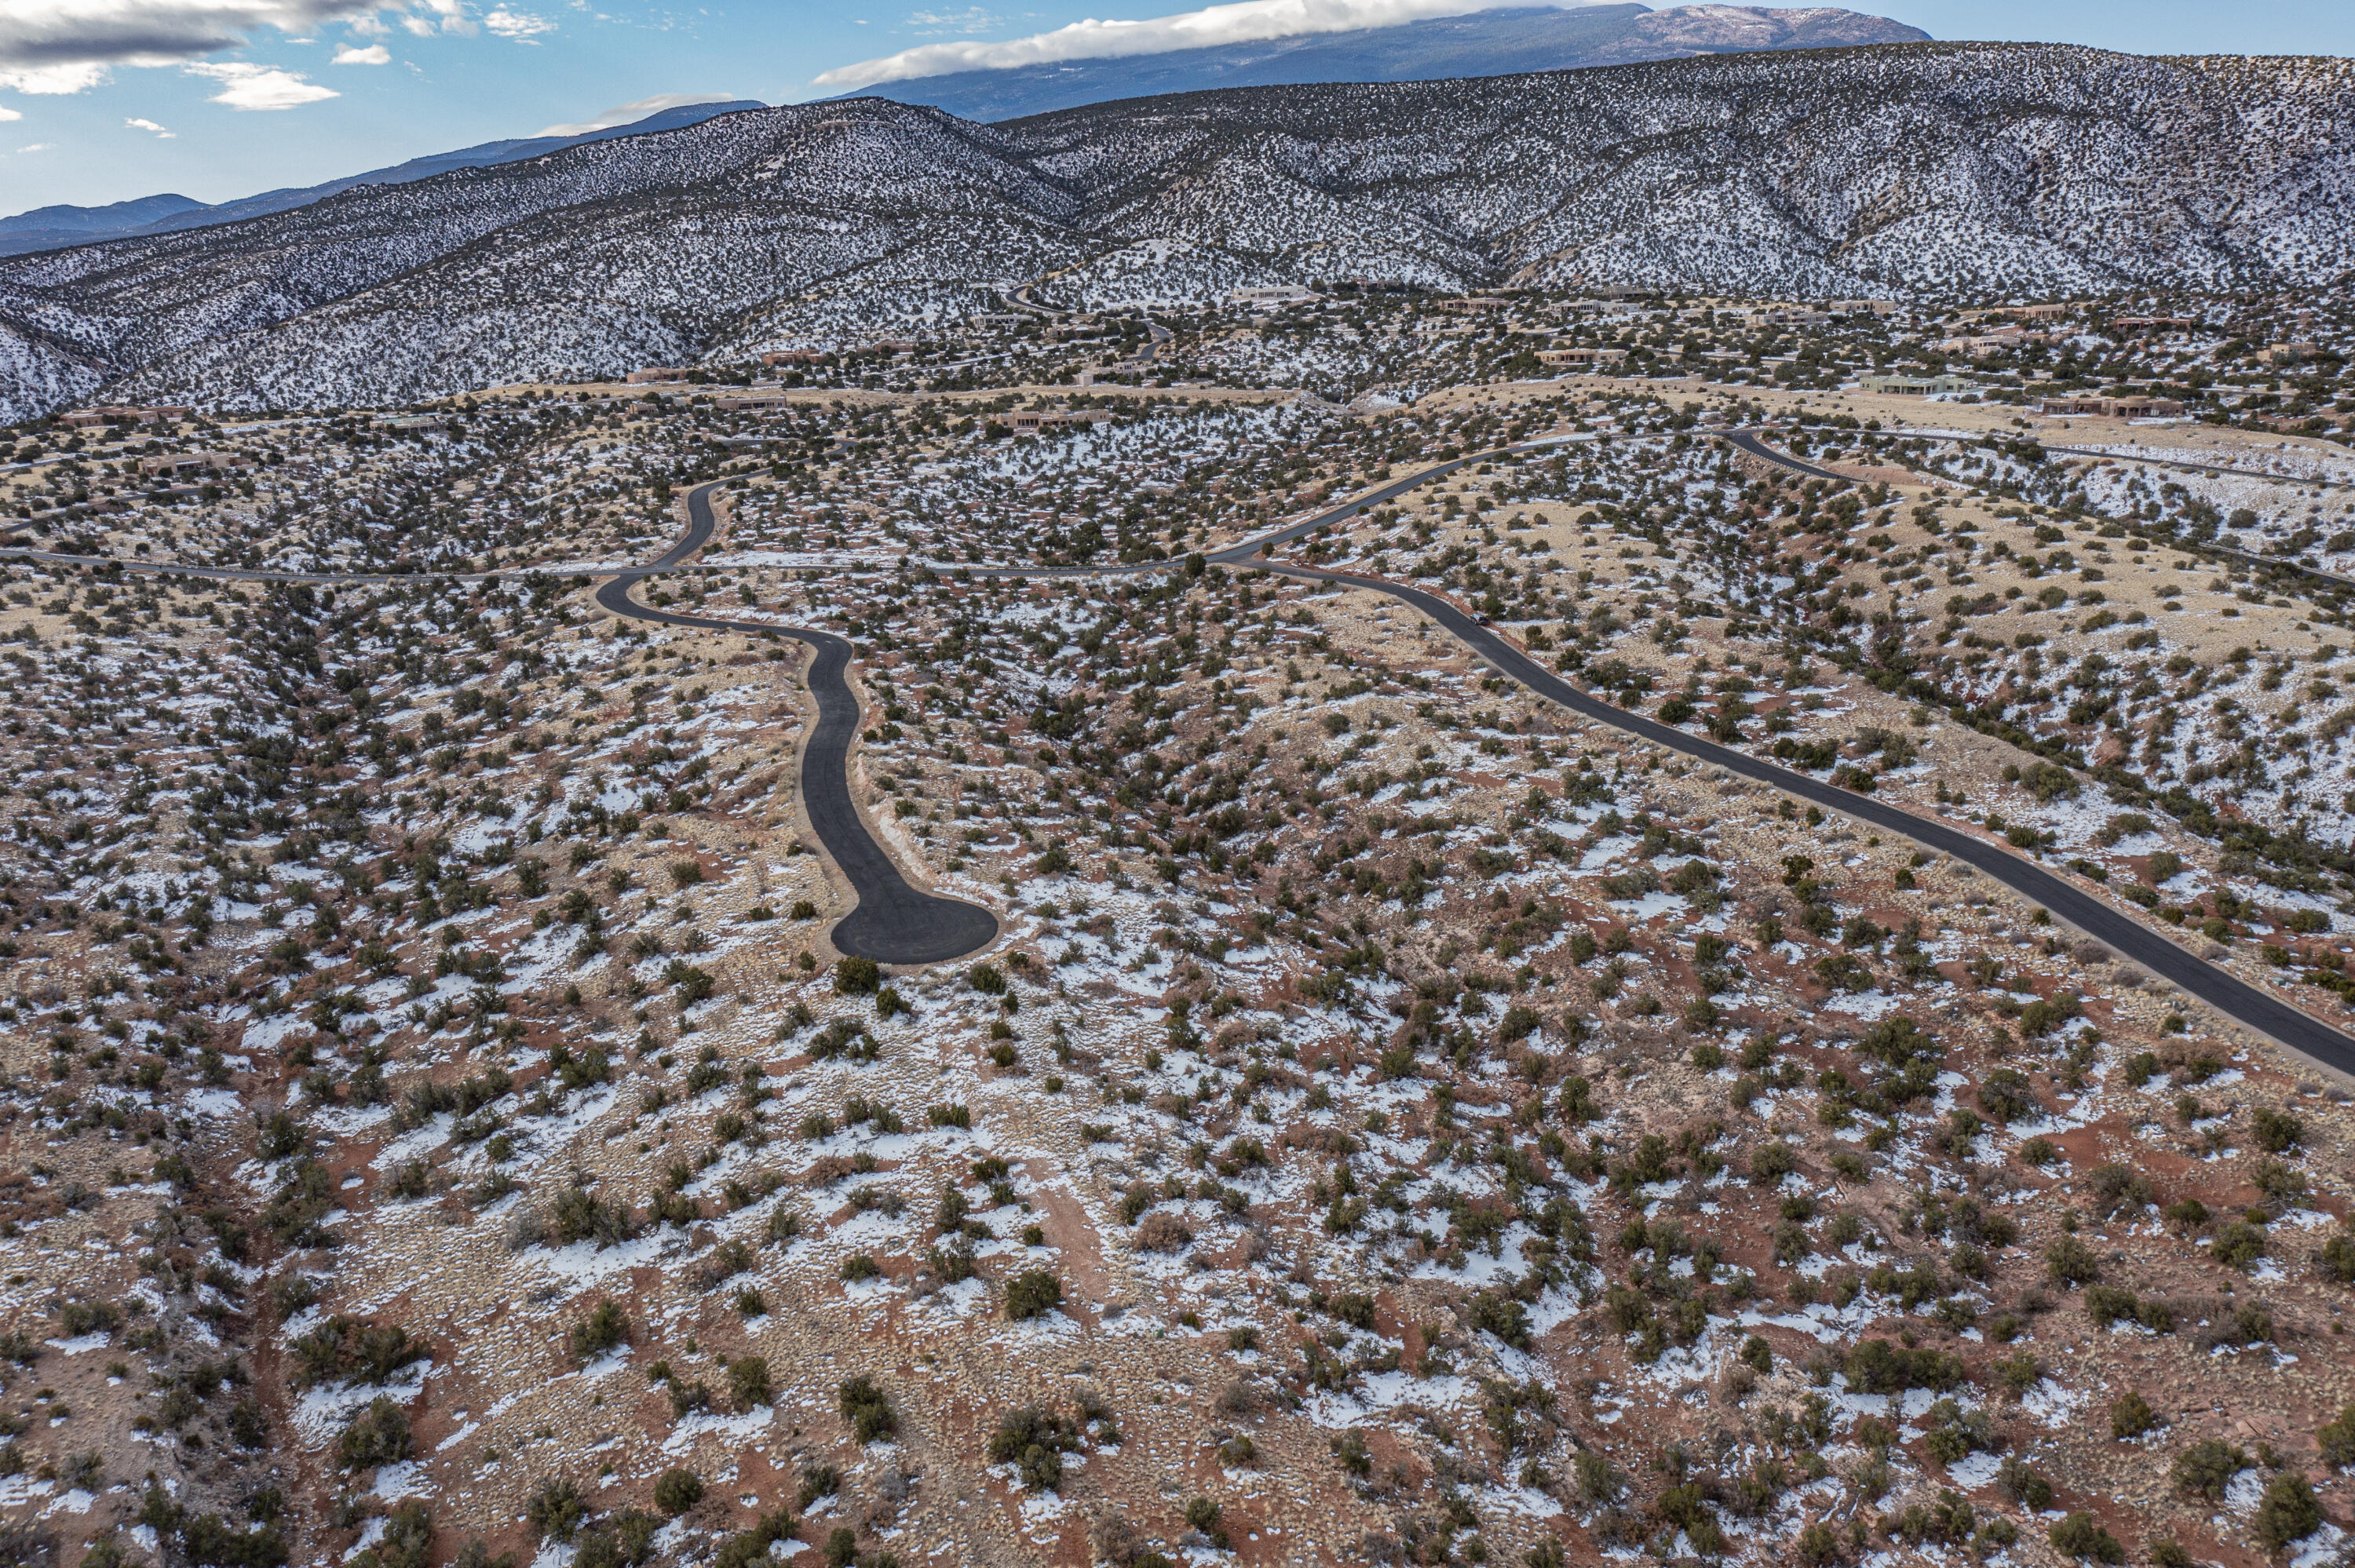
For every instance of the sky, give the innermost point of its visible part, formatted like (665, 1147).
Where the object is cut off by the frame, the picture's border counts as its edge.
(103, 100)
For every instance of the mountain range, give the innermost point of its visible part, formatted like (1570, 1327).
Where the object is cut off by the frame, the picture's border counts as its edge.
(48, 227)
(1487, 43)
(1494, 43)
(1929, 170)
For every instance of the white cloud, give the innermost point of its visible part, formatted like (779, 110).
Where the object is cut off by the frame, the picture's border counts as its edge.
(39, 147)
(972, 19)
(137, 124)
(248, 86)
(69, 45)
(351, 54)
(64, 45)
(72, 75)
(7, 113)
(520, 25)
(631, 112)
(1245, 22)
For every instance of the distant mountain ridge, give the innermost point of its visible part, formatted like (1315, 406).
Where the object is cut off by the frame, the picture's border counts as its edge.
(1486, 43)
(49, 227)
(1938, 171)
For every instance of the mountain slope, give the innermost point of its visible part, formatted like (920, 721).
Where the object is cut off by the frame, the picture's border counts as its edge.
(52, 226)
(1491, 43)
(1967, 170)
(47, 228)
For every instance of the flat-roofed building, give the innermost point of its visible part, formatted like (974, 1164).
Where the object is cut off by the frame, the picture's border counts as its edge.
(1901, 384)
(1023, 421)
(2127, 407)
(1577, 356)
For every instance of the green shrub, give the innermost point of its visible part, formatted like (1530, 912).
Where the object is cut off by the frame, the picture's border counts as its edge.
(1770, 1162)
(1032, 1294)
(2287, 1511)
(2238, 1244)
(2337, 1439)
(2069, 1261)
(868, 1410)
(2207, 1468)
(678, 1489)
(2079, 1536)
(748, 1382)
(406, 1542)
(1034, 1442)
(605, 1326)
(2276, 1131)
(377, 1436)
(624, 1541)
(555, 1510)
(2131, 1416)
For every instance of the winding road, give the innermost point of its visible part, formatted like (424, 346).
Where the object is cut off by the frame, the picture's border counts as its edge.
(2236, 997)
(2257, 1010)
(896, 922)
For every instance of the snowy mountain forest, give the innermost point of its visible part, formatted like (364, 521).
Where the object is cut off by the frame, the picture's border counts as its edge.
(1928, 171)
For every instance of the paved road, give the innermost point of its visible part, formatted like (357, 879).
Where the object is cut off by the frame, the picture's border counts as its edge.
(2109, 456)
(2234, 998)
(895, 923)
(2257, 1010)
(1749, 440)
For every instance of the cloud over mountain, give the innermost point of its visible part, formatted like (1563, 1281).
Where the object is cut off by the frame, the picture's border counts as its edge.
(1245, 21)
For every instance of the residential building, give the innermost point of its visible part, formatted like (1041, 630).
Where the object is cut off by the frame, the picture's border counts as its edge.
(1025, 421)
(1913, 384)
(177, 463)
(2130, 407)
(125, 414)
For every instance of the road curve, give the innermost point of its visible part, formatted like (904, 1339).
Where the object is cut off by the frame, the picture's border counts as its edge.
(1749, 440)
(2236, 999)
(896, 922)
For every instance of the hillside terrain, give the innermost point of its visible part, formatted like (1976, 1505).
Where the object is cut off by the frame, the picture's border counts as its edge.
(1398, 1118)
(1487, 43)
(1921, 171)
(49, 227)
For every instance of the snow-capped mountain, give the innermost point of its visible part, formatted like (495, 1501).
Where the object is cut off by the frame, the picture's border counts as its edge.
(1487, 43)
(1926, 169)
(45, 229)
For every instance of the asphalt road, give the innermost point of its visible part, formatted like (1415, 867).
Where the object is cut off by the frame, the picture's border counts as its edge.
(2257, 1010)
(2108, 456)
(896, 922)
(1749, 441)
(2287, 563)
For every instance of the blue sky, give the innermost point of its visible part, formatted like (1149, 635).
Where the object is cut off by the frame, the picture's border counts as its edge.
(105, 99)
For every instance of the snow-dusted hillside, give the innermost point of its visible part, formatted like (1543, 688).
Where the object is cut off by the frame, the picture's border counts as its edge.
(1925, 169)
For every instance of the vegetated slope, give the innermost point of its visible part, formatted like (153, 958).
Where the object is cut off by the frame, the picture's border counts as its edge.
(1920, 169)
(1491, 43)
(47, 228)
(51, 226)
